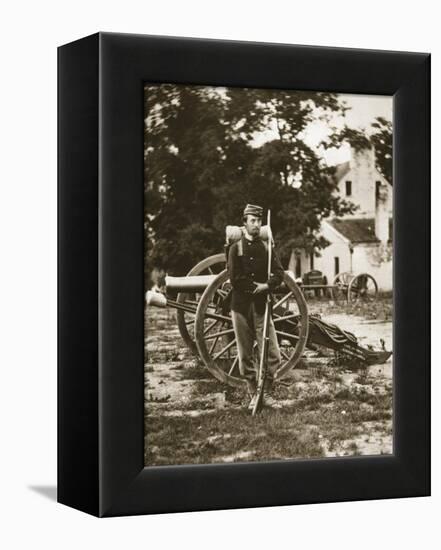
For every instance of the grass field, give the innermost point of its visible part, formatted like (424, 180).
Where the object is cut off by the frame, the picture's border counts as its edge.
(324, 409)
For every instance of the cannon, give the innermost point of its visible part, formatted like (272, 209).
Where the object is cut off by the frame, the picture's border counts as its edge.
(345, 287)
(205, 323)
(201, 299)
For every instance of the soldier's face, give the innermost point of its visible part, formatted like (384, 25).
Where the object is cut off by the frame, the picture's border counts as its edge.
(252, 225)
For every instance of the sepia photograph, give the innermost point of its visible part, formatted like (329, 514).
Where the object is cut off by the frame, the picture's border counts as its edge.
(268, 255)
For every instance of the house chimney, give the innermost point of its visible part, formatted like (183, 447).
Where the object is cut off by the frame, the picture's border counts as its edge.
(362, 157)
(381, 212)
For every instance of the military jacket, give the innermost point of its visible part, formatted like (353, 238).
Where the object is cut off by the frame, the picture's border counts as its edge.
(247, 267)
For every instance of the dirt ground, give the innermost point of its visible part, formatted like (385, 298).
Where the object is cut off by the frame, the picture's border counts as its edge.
(325, 408)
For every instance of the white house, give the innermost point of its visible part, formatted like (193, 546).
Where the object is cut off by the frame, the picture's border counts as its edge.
(361, 242)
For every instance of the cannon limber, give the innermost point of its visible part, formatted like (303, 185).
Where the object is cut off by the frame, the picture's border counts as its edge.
(204, 319)
(353, 288)
(345, 286)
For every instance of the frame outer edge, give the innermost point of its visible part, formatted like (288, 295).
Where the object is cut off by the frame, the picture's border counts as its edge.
(127, 488)
(78, 275)
(412, 139)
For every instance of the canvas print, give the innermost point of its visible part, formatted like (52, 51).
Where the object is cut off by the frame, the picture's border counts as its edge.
(268, 274)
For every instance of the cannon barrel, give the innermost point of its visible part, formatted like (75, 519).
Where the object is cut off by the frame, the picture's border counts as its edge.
(194, 283)
(189, 284)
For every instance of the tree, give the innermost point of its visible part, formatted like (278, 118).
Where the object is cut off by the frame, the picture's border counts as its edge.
(285, 174)
(205, 159)
(381, 139)
(182, 164)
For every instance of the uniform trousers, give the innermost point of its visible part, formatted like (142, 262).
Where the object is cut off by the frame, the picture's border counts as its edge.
(248, 330)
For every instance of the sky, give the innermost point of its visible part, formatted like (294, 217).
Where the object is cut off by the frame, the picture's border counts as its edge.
(364, 109)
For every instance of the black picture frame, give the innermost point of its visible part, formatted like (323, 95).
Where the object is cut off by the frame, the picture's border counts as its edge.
(101, 284)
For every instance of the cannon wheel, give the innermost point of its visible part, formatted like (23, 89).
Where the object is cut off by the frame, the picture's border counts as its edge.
(362, 287)
(209, 266)
(340, 286)
(215, 335)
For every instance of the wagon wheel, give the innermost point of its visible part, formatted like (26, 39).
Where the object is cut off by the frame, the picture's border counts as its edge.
(210, 266)
(215, 337)
(362, 287)
(340, 286)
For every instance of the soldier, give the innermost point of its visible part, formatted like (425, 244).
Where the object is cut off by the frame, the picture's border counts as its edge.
(248, 271)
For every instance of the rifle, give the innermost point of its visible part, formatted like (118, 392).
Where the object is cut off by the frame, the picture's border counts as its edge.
(263, 365)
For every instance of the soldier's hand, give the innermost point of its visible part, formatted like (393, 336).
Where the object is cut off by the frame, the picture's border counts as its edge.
(260, 287)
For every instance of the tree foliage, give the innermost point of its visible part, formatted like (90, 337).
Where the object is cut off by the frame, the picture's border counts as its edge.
(381, 139)
(205, 159)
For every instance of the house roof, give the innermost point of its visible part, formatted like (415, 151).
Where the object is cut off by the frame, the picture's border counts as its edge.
(358, 230)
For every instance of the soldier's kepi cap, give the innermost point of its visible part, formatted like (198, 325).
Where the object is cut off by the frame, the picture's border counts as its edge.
(253, 210)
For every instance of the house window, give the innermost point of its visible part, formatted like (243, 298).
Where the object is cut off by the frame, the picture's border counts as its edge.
(311, 262)
(336, 265)
(298, 266)
(377, 191)
(348, 188)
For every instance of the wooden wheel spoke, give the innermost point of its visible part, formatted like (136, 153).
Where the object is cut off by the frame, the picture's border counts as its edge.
(213, 345)
(287, 335)
(223, 350)
(215, 341)
(283, 299)
(233, 366)
(280, 318)
(218, 334)
(210, 326)
(218, 316)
